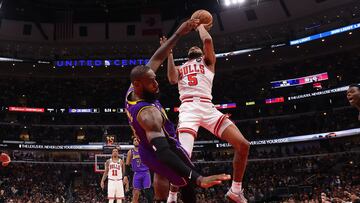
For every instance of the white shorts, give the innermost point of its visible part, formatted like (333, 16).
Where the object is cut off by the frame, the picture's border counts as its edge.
(115, 189)
(194, 114)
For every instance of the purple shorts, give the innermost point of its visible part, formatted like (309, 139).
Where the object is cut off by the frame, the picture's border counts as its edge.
(150, 160)
(141, 180)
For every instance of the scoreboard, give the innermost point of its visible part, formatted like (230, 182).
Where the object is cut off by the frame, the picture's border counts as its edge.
(300, 81)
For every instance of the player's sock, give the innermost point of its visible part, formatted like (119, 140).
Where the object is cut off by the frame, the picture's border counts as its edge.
(236, 187)
(172, 197)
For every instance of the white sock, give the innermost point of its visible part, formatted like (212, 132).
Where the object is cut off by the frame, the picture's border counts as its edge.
(172, 197)
(236, 187)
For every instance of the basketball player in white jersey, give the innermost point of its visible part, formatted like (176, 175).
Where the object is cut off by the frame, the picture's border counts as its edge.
(195, 81)
(114, 170)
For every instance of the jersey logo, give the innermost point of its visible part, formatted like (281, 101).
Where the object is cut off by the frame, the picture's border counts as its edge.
(191, 69)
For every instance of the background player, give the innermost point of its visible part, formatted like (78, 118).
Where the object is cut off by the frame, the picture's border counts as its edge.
(159, 148)
(353, 96)
(195, 81)
(114, 168)
(141, 177)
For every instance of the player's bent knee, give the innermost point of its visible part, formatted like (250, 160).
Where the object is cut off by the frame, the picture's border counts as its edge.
(242, 145)
(245, 146)
(233, 135)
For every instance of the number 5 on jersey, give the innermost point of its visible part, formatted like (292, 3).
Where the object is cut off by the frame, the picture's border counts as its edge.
(192, 80)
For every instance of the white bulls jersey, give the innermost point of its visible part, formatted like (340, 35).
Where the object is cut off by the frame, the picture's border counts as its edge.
(196, 109)
(115, 170)
(195, 79)
(115, 183)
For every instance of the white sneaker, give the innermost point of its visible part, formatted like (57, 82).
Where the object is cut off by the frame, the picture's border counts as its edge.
(236, 198)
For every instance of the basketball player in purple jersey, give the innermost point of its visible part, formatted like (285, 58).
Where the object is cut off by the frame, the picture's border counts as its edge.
(141, 177)
(159, 147)
(353, 96)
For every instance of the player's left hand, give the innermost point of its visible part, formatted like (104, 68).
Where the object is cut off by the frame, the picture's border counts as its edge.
(125, 180)
(102, 185)
(204, 26)
(127, 187)
(187, 26)
(208, 26)
(162, 40)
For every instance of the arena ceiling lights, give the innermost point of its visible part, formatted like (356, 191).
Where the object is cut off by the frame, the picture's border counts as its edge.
(233, 2)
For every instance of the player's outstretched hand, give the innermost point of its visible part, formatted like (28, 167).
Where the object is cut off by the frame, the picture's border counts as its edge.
(205, 26)
(187, 26)
(125, 180)
(162, 40)
(102, 185)
(209, 181)
(208, 26)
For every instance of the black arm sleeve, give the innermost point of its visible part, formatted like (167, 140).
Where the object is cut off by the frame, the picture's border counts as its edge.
(167, 156)
(127, 170)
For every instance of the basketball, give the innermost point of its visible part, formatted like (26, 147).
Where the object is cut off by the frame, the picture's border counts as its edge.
(204, 16)
(5, 159)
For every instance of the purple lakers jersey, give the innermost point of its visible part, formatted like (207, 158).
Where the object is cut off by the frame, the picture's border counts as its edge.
(133, 108)
(146, 151)
(136, 164)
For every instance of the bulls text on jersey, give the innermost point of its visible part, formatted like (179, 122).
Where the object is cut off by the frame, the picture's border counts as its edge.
(191, 69)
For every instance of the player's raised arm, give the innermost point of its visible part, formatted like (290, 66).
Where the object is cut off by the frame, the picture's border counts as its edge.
(151, 121)
(102, 184)
(128, 157)
(208, 47)
(163, 51)
(172, 73)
